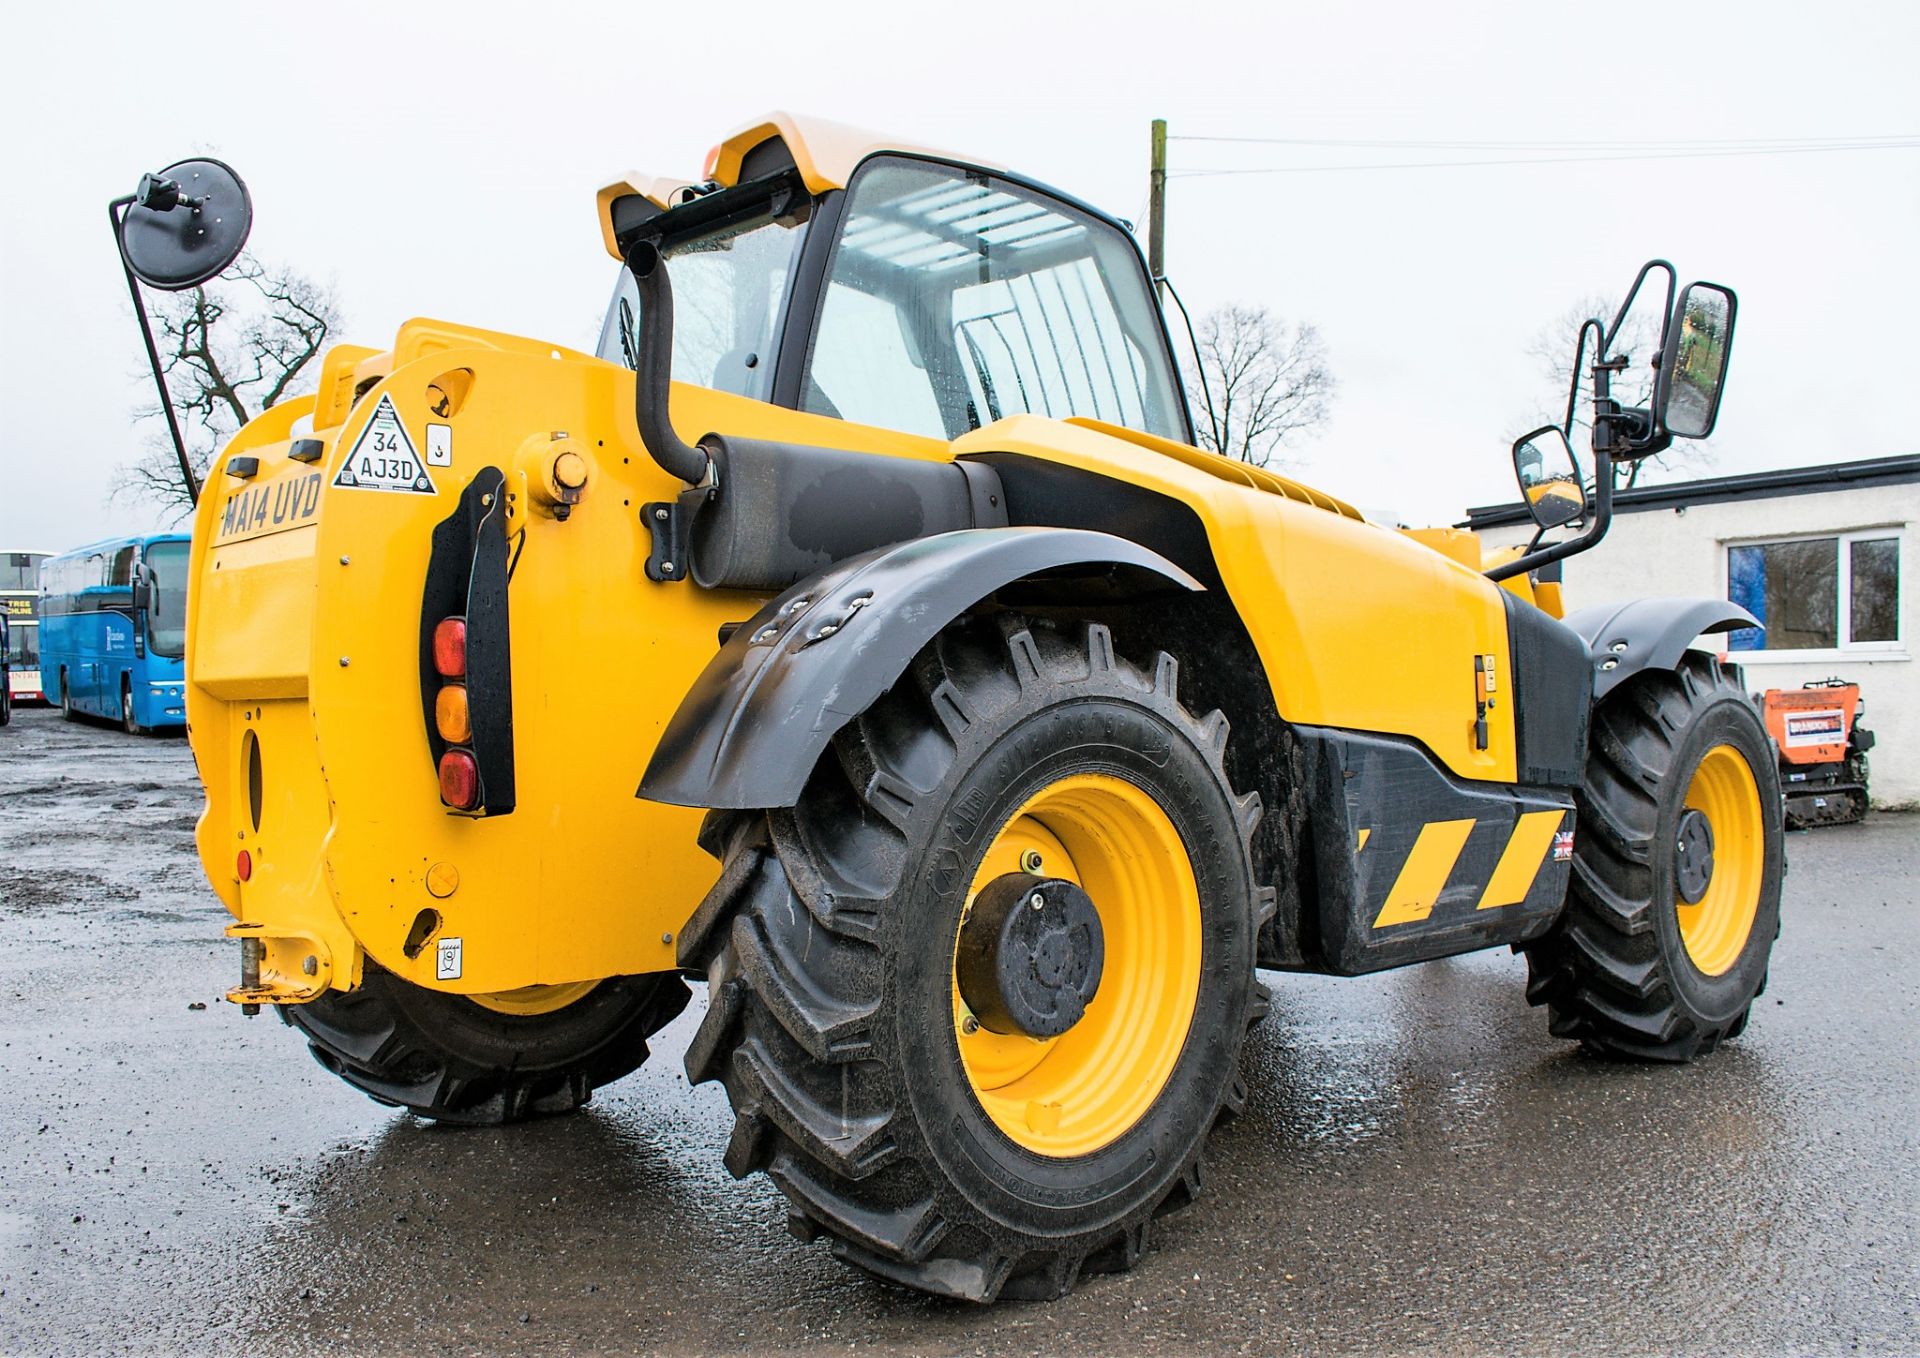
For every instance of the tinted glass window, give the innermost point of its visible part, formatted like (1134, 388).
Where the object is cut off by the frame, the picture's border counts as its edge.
(729, 295)
(167, 621)
(1817, 593)
(1875, 580)
(1792, 588)
(956, 298)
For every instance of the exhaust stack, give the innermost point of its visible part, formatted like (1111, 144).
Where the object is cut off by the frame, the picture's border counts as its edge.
(655, 370)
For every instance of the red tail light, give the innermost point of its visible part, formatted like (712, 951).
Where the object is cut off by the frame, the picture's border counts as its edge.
(450, 648)
(459, 780)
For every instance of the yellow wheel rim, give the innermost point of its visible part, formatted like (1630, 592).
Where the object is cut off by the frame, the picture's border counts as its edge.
(1071, 1095)
(534, 999)
(1715, 929)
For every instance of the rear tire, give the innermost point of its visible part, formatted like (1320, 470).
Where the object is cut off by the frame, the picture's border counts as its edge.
(448, 1058)
(66, 700)
(1631, 968)
(835, 1018)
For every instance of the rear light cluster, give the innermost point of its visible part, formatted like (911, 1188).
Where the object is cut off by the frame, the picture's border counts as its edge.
(459, 773)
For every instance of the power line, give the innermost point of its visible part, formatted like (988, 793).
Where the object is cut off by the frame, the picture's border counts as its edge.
(1545, 160)
(1622, 144)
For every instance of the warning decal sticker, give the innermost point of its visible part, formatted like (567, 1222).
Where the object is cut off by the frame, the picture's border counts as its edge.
(383, 457)
(1821, 726)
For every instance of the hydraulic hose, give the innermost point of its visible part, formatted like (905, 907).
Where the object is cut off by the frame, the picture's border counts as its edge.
(654, 369)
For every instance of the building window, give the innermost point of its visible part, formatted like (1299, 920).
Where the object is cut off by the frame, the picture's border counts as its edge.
(1838, 592)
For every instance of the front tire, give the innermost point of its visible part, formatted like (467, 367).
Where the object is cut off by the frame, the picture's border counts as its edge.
(929, 1148)
(1664, 941)
(128, 722)
(455, 1060)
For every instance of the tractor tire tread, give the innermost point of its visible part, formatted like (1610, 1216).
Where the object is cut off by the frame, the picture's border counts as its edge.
(814, 1109)
(386, 1043)
(1600, 970)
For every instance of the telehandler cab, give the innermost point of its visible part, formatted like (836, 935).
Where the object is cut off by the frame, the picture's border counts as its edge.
(988, 735)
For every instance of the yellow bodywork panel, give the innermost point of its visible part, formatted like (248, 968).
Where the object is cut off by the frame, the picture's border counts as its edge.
(1359, 627)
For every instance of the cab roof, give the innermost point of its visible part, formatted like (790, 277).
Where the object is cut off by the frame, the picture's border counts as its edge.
(825, 153)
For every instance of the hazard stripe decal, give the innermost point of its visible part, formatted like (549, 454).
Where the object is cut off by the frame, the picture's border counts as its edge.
(1424, 874)
(1525, 853)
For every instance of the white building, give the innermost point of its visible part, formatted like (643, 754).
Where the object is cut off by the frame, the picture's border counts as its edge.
(1823, 555)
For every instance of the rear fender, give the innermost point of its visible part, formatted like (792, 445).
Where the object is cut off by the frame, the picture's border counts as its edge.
(760, 715)
(1649, 634)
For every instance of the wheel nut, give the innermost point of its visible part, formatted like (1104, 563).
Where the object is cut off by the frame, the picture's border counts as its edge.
(1030, 861)
(969, 1025)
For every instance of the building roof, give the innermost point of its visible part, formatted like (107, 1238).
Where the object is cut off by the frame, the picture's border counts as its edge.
(1831, 476)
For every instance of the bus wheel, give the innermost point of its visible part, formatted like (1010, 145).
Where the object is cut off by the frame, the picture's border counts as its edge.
(127, 721)
(491, 1059)
(66, 700)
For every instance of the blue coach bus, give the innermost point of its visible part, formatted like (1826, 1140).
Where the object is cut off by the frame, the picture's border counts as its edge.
(113, 630)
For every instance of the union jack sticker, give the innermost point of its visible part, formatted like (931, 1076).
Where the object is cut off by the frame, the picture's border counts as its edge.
(1562, 845)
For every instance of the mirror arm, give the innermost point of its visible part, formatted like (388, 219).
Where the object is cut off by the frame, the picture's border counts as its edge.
(1595, 530)
(1603, 415)
(116, 210)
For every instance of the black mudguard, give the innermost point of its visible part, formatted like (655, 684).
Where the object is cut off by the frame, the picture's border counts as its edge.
(760, 715)
(1649, 634)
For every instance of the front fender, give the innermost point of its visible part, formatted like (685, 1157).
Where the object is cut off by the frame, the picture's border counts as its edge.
(1625, 639)
(758, 718)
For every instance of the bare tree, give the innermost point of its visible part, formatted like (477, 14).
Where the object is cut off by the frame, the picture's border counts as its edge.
(1552, 349)
(230, 348)
(1266, 381)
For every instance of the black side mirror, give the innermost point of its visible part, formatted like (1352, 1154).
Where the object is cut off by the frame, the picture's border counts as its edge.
(1551, 484)
(1693, 363)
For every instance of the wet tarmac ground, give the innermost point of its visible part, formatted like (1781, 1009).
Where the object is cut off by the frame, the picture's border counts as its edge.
(1420, 1167)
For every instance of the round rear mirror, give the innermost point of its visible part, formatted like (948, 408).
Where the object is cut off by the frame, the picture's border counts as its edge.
(185, 224)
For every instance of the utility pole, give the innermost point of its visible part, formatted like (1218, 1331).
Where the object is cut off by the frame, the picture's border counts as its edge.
(1157, 208)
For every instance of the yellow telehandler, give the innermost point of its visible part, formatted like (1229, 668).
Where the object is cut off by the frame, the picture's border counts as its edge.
(860, 633)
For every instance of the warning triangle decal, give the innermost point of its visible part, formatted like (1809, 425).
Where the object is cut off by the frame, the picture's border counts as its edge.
(383, 457)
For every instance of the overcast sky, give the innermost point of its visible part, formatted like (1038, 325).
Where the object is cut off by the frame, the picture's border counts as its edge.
(442, 161)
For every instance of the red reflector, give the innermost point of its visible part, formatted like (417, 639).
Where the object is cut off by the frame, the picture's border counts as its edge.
(450, 647)
(459, 780)
(243, 866)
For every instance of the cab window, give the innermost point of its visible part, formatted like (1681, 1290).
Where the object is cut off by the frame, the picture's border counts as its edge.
(729, 294)
(956, 298)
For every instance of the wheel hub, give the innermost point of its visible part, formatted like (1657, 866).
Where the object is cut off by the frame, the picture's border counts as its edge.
(1030, 955)
(1693, 856)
